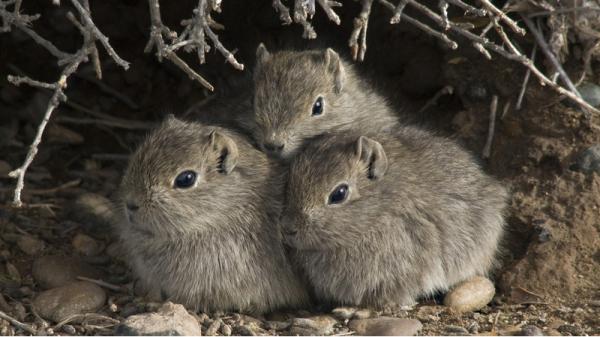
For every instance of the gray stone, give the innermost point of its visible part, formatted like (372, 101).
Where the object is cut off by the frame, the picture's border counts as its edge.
(531, 330)
(362, 314)
(30, 245)
(226, 330)
(54, 271)
(74, 298)
(386, 326)
(456, 330)
(93, 209)
(343, 312)
(170, 320)
(588, 161)
(316, 325)
(590, 93)
(86, 245)
(470, 295)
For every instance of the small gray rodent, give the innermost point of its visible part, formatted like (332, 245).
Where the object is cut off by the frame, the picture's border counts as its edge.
(300, 95)
(199, 210)
(389, 218)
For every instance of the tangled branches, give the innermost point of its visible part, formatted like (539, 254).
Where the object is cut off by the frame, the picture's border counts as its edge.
(69, 62)
(193, 38)
(498, 19)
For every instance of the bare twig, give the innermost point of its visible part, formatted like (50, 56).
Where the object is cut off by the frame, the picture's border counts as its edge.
(525, 80)
(361, 23)
(302, 10)
(104, 284)
(72, 62)
(500, 14)
(549, 54)
(327, 7)
(284, 12)
(447, 90)
(492, 126)
(18, 324)
(193, 38)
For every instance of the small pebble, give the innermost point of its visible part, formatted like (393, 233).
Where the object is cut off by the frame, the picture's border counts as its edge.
(588, 160)
(30, 245)
(343, 312)
(470, 295)
(457, 330)
(531, 330)
(226, 330)
(170, 320)
(386, 326)
(362, 314)
(213, 328)
(67, 328)
(278, 325)
(316, 325)
(54, 271)
(85, 245)
(74, 298)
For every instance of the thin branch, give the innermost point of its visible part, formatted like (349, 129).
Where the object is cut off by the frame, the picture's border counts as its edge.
(284, 12)
(447, 90)
(500, 14)
(327, 7)
(18, 324)
(361, 23)
(193, 38)
(104, 284)
(526, 80)
(492, 126)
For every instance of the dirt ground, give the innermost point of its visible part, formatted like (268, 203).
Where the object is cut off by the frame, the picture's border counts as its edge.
(550, 271)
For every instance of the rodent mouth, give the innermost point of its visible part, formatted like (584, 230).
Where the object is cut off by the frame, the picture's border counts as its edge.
(138, 229)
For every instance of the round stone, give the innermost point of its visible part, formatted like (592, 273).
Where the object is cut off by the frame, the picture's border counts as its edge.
(54, 271)
(470, 295)
(74, 298)
(386, 326)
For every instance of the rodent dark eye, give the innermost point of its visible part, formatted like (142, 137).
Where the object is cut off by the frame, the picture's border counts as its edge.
(339, 195)
(317, 108)
(185, 179)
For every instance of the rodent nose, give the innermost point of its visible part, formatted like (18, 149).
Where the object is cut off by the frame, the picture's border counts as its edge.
(131, 206)
(274, 147)
(290, 232)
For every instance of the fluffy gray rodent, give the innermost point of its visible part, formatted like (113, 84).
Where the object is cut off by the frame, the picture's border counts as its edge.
(417, 216)
(300, 95)
(199, 210)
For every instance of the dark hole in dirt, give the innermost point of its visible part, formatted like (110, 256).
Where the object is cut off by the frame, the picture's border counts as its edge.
(550, 164)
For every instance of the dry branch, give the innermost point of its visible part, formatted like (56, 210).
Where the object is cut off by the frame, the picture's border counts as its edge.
(71, 63)
(194, 37)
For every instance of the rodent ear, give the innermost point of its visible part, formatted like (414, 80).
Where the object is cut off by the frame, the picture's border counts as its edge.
(335, 67)
(262, 54)
(372, 154)
(226, 150)
(170, 119)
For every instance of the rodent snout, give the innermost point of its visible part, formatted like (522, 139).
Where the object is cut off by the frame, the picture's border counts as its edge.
(274, 147)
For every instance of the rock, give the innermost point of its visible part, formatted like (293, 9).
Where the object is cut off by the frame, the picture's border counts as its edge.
(531, 330)
(470, 295)
(590, 93)
(74, 298)
(170, 320)
(85, 245)
(362, 314)
(4, 169)
(54, 271)
(92, 209)
(277, 325)
(58, 134)
(69, 329)
(386, 326)
(588, 161)
(213, 327)
(595, 303)
(226, 330)
(30, 245)
(456, 330)
(316, 325)
(343, 312)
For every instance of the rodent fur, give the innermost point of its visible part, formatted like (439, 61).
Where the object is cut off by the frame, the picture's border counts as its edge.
(421, 216)
(216, 246)
(286, 85)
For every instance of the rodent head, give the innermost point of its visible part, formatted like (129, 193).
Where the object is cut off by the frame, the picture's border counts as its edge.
(178, 179)
(294, 92)
(324, 203)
